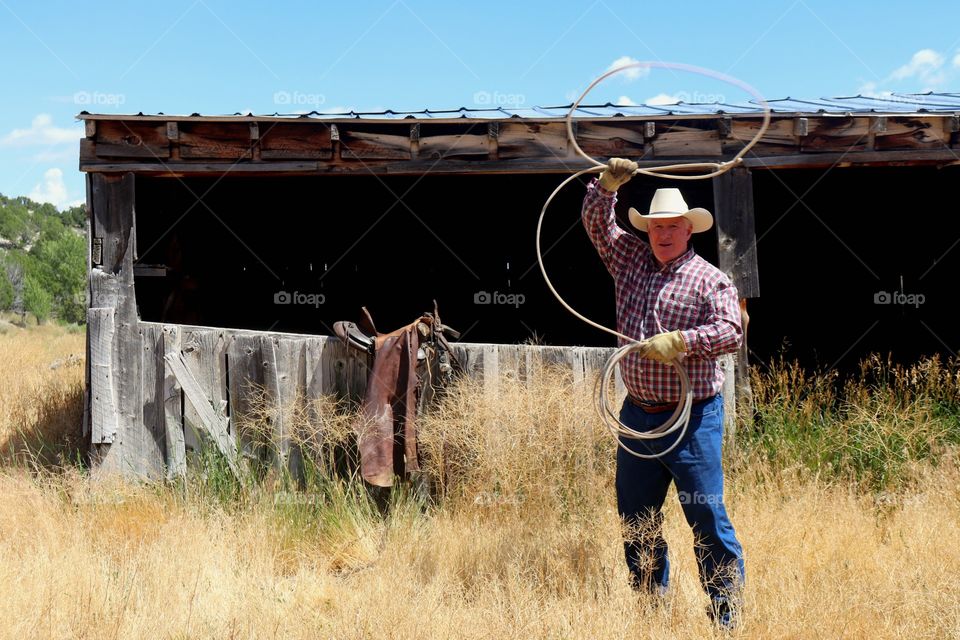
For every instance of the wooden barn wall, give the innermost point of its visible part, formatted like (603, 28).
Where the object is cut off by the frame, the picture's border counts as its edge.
(241, 374)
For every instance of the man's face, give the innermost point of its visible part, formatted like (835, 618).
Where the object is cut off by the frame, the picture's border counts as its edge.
(669, 237)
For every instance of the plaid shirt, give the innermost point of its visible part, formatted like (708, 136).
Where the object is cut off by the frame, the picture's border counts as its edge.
(688, 294)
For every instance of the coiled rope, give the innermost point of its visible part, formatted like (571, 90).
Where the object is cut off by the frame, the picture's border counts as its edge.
(680, 418)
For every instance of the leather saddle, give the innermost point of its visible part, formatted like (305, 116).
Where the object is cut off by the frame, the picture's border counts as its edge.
(410, 366)
(363, 335)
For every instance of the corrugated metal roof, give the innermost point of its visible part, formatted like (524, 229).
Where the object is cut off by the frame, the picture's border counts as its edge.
(892, 103)
(930, 102)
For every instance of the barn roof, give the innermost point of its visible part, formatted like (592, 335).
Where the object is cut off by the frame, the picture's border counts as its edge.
(894, 129)
(894, 103)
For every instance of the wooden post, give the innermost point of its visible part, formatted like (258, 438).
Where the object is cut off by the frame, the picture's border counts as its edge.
(128, 448)
(737, 254)
(173, 407)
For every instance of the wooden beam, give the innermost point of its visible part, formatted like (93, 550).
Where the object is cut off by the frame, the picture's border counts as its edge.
(176, 459)
(212, 421)
(736, 229)
(154, 420)
(123, 139)
(610, 140)
(103, 393)
(222, 140)
(737, 257)
(477, 166)
(521, 139)
(853, 158)
(366, 143)
(111, 287)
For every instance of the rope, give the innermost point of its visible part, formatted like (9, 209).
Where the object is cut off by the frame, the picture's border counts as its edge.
(680, 418)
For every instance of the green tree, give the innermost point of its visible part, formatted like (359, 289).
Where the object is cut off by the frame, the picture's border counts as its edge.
(75, 217)
(59, 267)
(36, 299)
(7, 293)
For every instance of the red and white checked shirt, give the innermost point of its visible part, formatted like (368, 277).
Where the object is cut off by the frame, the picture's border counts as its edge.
(688, 294)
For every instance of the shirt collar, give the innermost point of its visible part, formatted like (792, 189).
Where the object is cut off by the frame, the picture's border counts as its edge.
(675, 264)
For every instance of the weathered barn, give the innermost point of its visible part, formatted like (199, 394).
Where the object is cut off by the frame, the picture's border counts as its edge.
(231, 244)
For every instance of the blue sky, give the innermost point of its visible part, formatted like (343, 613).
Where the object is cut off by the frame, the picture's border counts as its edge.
(215, 57)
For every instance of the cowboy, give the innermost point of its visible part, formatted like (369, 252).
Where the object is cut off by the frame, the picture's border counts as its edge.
(681, 308)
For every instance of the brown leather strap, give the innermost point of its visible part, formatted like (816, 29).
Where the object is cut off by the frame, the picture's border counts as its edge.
(653, 407)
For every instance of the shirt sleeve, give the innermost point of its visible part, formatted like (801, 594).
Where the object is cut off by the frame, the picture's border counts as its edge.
(616, 247)
(721, 331)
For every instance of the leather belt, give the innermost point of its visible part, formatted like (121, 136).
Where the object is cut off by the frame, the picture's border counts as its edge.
(653, 407)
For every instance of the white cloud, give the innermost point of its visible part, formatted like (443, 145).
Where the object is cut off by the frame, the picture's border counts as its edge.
(41, 131)
(631, 74)
(869, 90)
(625, 100)
(663, 98)
(925, 65)
(53, 190)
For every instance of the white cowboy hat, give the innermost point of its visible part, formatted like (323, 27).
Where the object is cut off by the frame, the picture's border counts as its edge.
(668, 203)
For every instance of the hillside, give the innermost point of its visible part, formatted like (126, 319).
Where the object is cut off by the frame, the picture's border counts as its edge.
(42, 255)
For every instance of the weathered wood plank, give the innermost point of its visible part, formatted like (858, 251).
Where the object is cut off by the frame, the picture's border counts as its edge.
(176, 459)
(204, 352)
(911, 133)
(291, 384)
(295, 141)
(768, 157)
(530, 139)
(736, 230)
(890, 158)
(358, 144)
(491, 369)
(680, 140)
(126, 139)
(245, 390)
(111, 286)
(452, 146)
(778, 139)
(275, 383)
(213, 423)
(611, 140)
(729, 393)
(152, 376)
(847, 134)
(103, 400)
(85, 430)
(215, 140)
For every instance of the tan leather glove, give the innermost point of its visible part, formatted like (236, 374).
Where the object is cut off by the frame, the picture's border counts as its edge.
(663, 347)
(618, 173)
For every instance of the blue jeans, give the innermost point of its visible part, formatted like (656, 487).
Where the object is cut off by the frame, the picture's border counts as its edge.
(695, 465)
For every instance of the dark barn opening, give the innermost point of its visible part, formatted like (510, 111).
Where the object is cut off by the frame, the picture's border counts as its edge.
(830, 245)
(336, 244)
(863, 263)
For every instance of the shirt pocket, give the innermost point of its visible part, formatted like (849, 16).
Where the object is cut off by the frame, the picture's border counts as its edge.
(678, 310)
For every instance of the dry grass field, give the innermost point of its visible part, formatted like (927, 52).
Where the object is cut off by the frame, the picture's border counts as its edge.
(847, 504)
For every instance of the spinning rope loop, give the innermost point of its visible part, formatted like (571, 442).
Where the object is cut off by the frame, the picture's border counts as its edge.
(680, 418)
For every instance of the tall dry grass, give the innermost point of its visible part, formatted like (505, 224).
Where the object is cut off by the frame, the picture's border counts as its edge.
(520, 539)
(871, 428)
(41, 394)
